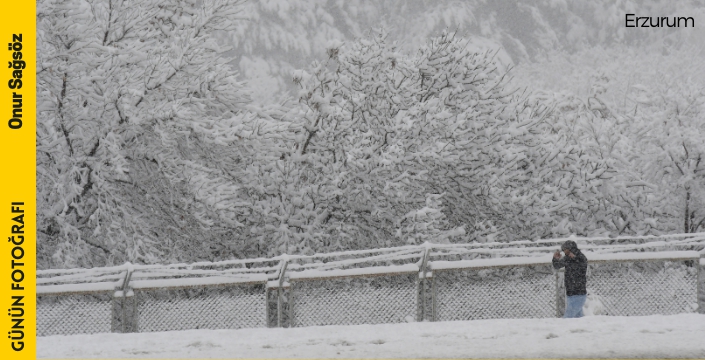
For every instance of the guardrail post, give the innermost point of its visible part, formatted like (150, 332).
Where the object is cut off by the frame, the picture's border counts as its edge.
(434, 304)
(267, 311)
(124, 314)
(280, 293)
(117, 323)
(130, 311)
(424, 286)
(291, 300)
(560, 293)
(701, 285)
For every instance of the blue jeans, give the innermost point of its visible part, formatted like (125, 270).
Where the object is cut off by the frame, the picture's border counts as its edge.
(574, 306)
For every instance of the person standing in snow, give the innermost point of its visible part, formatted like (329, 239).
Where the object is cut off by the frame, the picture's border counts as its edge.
(575, 264)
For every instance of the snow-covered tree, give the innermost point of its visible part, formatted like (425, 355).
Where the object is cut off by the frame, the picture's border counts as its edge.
(133, 98)
(391, 127)
(150, 149)
(643, 115)
(427, 224)
(669, 131)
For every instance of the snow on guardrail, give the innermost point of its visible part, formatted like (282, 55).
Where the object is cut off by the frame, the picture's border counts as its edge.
(366, 271)
(546, 259)
(366, 262)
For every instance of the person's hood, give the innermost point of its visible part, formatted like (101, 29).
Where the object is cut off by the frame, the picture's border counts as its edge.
(570, 245)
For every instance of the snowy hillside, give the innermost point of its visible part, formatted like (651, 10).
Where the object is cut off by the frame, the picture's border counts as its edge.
(679, 336)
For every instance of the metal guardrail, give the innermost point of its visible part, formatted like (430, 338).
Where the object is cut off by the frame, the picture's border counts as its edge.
(413, 283)
(75, 302)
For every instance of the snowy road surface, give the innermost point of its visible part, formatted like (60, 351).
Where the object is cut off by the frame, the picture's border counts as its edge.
(595, 336)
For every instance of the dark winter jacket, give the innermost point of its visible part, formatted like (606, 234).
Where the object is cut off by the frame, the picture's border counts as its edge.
(575, 269)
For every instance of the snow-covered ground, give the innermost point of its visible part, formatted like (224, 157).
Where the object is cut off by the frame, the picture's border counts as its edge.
(675, 336)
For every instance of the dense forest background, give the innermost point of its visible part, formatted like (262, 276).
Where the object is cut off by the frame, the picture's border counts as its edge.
(188, 130)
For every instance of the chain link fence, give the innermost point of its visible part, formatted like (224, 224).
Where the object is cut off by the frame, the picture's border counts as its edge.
(79, 313)
(523, 291)
(354, 300)
(212, 307)
(634, 288)
(78, 301)
(432, 284)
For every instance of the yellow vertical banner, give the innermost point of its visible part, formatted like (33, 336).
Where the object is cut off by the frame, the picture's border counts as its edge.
(18, 179)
